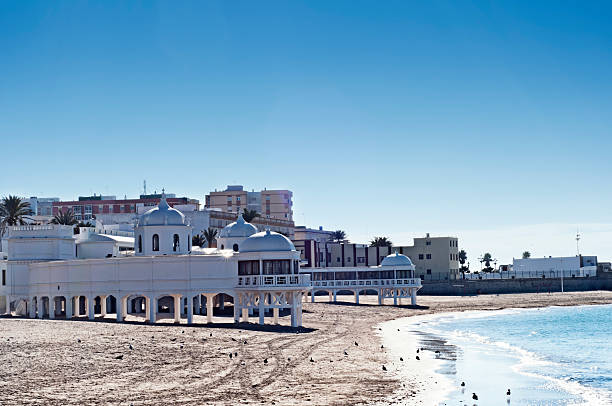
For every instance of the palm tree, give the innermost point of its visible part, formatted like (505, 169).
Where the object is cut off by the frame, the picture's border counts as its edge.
(249, 215)
(13, 211)
(486, 259)
(65, 218)
(338, 236)
(463, 259)
(526, 254)
(381, 242)
(210, 235)
(197, 240)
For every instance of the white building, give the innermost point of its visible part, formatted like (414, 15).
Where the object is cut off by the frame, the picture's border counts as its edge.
(49, 273)
(578, 266)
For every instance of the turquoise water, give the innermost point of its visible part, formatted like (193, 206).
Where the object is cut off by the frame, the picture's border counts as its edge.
(547, 356)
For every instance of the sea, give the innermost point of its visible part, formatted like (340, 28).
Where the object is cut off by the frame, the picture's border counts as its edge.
(544, 356)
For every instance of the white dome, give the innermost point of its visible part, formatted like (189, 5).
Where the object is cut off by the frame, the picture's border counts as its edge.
(397, 260)
(237, 229)
(162, 215)
(267, 241)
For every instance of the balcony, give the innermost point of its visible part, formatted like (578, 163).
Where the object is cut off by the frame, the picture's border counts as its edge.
(272, 281)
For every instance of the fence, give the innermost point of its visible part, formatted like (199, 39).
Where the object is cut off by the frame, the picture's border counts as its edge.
(572, 273)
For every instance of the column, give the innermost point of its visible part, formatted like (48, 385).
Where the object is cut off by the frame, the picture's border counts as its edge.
(189, 309)
(68, 308)
(335, 292)
(356, 297)
(209, 308)
(77, 306)
(394, 297)
(293, 310)
(51, 307)
(245, 315)
(262, 310)
(103, 306)
(236, 310)
(91, 301)
(413, 296)
(119, 301)
(312, 295)
(41, 307)
(380, 297)
(275, 312)
(151, 303)
(177, 308)
(32, 308)
(330, 296)
(7, 300)
(221, 301)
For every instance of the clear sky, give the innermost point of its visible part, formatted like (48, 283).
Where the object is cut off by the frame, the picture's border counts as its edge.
(490, 121)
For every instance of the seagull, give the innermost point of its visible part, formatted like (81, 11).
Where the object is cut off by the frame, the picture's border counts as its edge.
(417, 350)
(78, 340)
(356, 343)
(183, 332)
(235, 354)
(345, 353)
(417, 358)
(230, 355)
(173, 339)
(437, 352)
(462, 383)
(181, 347)
(211, 334)
(401, 359)
(131, 348)
(311, 360)
(265, 361)
(245, 342)
(474, 396)
(382, 346)
(233, 339)
(384, 368)
(119, 356)
(508, 392)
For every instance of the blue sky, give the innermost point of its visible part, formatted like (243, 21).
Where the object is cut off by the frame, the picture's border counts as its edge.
(385, 118)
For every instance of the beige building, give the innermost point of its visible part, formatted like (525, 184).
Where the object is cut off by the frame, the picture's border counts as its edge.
(435, 258)
(270, 204)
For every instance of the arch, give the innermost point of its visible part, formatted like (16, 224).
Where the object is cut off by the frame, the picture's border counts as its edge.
(176, 243)
(235, 247)
(139, 243)
(155, 242)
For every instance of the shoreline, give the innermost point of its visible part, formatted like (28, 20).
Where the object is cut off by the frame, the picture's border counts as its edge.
(181, 364)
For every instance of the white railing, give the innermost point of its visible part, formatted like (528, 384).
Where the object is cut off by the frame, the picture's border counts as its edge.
(411, 282)
(273, 280)
(584, 272)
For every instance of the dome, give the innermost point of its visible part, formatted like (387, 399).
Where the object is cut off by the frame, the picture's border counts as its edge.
(239, 228)
(162, 215)
(397, 260)
(267, 241)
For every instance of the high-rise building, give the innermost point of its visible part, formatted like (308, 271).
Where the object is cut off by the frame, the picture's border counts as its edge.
(272, 204)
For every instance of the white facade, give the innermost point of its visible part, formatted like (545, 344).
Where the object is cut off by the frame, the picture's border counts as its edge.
(577, 266)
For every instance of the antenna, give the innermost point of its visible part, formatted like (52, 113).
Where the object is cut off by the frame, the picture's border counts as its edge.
(144, 186)
(577, 242)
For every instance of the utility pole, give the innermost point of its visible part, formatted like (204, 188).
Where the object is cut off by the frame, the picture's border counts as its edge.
(577, 242)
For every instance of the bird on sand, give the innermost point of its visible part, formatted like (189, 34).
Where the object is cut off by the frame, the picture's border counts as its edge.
(462, 383)
(417, 358)
(245, 342)
(211, 334)
(382, 346)
(230, 355)
(345, 353)
(356, 343)
(384, 368)
(119, 356)
(265, 361)
(508, 392)
(131, 348)
(401, 359)
(311, 360)
(78, 340)
(474, 396)
(173, 339)
(417, 350)
(235, 354)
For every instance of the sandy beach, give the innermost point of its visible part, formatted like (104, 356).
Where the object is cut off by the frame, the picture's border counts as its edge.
(80, 362)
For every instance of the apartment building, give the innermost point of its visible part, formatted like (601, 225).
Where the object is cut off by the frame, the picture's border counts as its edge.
(435, 258)
(271, 204)
(88, 206)
(42, 206)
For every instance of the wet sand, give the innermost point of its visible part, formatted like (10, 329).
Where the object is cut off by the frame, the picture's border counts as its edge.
(43, 362)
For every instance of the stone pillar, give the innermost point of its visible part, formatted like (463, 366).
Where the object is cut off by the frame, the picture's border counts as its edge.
(41, 307)
(151, 303)
(275, 312)
(91, 313)
(209, 308)
(335, 292)
(356, 297)
(103, 306)
(413, 292)
(32, 308)
(68, 308)
(236, 310)
(380, 297)
(294, 310)
(51, 307)
(245, 315)
(77, 305)
(312, 296)
(394, 297)
(177, 309)
(189, 309)
(262, 310)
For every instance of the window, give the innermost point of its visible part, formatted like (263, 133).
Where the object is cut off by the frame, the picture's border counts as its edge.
(235, 247)
(277, 267)
(428, 256)
(338, 259)
(429, 272)
(176, 243)
(4, 277)
(348, 259)
(451, 257)
(155, 242)
(248, 268)
(140, 243)
(360, 260)
(427, 242)
(421, 256)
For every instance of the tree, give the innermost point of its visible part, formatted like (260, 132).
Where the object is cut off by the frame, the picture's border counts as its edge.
(463, 260)
(210, 235)
(338, 236)
(381, 242)
(14, 211)
(64, 217)
(487, 259)
(249, 215)
(526, 254)
(197, 240)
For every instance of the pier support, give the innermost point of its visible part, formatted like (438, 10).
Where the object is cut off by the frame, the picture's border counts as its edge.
(32, 308)
(51, 307)
(413, 292)
(262, 303)
(177, 309)
(151, 304)
(209, 308)
(189, 309)
(68, 308)
(275, 313)
(103, 306)
(91, 301)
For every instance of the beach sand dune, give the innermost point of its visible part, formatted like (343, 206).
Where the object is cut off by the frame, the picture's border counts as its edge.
(43, 361)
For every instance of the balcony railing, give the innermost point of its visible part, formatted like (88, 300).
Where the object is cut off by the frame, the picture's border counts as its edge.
(411, 282)
(273, 280)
